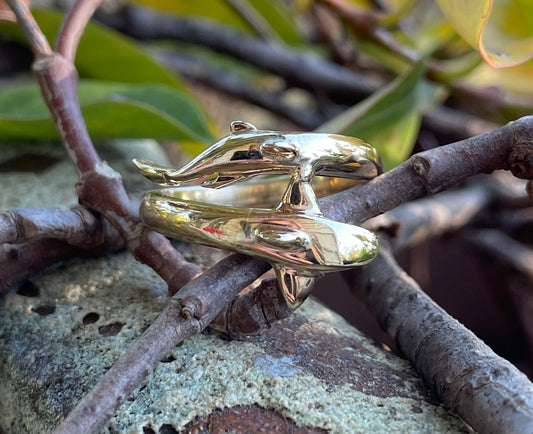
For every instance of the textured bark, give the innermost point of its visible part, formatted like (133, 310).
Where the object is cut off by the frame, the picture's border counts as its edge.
(485, 389)
(78, 227)
(252, 311)
(429, 172)
(100, 187)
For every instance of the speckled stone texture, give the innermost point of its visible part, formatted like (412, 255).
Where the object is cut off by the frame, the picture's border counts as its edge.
(310, 373)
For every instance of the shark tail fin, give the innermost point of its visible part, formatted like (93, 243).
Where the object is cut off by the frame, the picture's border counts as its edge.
(155, 172)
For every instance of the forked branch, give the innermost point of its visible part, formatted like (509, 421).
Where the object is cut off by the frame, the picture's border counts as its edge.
(100, 188)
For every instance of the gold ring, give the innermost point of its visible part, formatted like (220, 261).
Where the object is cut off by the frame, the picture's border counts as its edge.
(285, 225)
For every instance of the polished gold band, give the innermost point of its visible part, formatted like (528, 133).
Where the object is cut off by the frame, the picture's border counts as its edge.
(259, 192)
(275, 219)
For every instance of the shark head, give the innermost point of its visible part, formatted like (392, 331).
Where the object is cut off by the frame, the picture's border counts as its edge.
(244, 153)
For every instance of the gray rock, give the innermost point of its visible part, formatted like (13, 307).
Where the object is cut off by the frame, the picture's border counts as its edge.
(312, 368)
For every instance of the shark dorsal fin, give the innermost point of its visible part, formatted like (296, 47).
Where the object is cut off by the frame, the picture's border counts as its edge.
(241, 127)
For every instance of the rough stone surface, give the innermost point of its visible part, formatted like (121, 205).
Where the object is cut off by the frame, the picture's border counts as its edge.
(311, 373)
(312, 369)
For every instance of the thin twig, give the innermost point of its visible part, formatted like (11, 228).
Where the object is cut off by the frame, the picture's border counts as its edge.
(366, 24)
(38, 42)
(72, 28)
(364, 21)
(485, 389)
(331, 31)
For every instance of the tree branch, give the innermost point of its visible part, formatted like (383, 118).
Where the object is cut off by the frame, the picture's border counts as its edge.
(432, 171)
(100, 187)
(426, 218)
(77, 227)
(72, 28)
(34, 238)
(189, 312)
(38, 42)
(483, 388)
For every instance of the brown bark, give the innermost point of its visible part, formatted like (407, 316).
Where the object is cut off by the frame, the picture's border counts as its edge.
(100, 188)
(485, 389)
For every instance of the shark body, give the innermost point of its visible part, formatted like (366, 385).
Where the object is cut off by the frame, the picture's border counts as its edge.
(249, 152)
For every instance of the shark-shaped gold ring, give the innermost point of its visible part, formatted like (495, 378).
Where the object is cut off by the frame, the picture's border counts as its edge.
(293, 235)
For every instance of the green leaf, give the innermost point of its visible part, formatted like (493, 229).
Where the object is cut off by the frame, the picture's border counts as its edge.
(110, 110)
(276, 20)
(273, 17)
(102, 53)
(502, 30)
(217, 10)
(390, 118)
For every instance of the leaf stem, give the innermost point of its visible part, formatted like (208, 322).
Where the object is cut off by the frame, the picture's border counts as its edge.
(38, 42)
(70, 33)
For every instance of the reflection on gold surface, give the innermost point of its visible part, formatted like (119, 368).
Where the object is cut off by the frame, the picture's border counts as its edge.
(275, 218)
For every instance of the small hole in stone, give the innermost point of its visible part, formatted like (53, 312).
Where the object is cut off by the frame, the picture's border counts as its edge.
(12, 252)
(167, 429)
(44, 310)
(28, 289)
(90, 318)
(168, 359)
(148, 430)
(111, 329)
